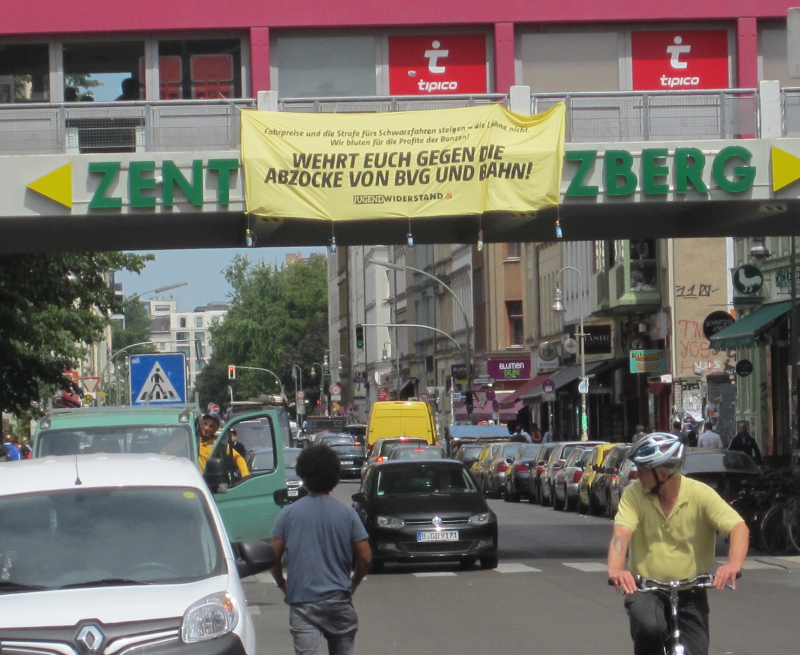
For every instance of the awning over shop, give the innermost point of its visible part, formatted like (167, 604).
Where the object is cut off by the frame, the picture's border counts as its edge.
(531, 384)
(743, 332)
(562, 378)
(485, 413)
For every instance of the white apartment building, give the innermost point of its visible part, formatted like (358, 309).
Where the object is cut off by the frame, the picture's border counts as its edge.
(184, 332)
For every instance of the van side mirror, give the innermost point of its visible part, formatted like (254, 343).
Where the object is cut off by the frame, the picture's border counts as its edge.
(215, 474)
(255, 557)
(360, 497)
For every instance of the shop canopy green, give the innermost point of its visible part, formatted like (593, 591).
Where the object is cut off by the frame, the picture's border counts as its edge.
(743, 332)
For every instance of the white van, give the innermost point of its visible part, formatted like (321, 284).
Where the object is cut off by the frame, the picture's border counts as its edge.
(119, 553)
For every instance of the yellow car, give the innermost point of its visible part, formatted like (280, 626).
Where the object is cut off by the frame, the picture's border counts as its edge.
(594, 463)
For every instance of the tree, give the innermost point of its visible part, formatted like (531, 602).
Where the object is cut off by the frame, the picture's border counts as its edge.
(136, 328)
(51, 305)
(278, 318)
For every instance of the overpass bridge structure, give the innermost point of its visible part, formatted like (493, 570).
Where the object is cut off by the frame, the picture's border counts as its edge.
(167, 174)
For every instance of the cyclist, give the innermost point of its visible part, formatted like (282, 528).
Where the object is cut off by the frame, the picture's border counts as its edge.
(670, 521)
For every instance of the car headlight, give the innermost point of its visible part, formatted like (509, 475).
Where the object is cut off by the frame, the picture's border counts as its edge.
(209, 618)
(480, 519)
(390, 522)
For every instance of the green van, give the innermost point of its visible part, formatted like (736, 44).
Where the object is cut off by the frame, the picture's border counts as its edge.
(246, 504)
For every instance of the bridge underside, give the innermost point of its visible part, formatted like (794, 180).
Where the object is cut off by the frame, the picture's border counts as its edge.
(579, 221)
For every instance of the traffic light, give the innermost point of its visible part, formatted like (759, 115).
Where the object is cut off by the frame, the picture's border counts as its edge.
(231, 372)
(468, 400)
(359, 336)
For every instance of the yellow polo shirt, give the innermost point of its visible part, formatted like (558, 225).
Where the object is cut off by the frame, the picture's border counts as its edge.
(204, 450)
(678, 546)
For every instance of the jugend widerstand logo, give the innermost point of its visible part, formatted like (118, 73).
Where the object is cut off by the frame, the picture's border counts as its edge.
(379, 198)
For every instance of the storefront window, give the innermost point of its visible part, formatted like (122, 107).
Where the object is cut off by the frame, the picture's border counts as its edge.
(24, 73)
(325, 66)
(103, 71)
(200, 69)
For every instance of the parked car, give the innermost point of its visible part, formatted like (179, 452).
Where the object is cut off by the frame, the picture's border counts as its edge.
(417, 452)
(481, 464)
(519, 472)
(426, 511)
(495, 475)
(628, 473)
(134, 553)
(263, 457)
(600, 492)
(335, 439)
(565, 489)
(554, 463)
(537, 469)
(727, 471)
(351, 459)
(382, 448)
(468, 453)
(461, 435)
(595, 461)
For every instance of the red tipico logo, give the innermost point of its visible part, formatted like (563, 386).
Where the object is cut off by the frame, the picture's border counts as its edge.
(687, 59)
(451, 64)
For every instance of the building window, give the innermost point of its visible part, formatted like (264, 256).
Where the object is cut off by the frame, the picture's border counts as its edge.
(182, 321)
(513, 251)
(515, 323)
(161, 308)
(182, 336)
(198, 321)
(200, 336)
(185, 350)
(199, 68)
(215, 320)
(103, 70)
(24, 73)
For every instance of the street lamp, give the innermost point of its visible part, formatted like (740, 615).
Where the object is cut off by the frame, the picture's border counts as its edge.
(468, 351)
(169, 287)
(558, 306)
(321, 379)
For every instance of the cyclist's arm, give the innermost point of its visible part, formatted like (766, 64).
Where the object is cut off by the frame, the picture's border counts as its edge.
(623, 579)
(739, 541)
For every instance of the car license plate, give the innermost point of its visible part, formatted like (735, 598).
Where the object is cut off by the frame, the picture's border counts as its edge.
(292, 493)
(444, 535)
(347, 462)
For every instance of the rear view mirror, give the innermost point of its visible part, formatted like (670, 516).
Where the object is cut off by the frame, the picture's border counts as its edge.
(509, 460)
(215, 474)
(257, 556)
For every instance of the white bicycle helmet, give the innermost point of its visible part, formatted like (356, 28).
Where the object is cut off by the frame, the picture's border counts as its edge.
(658, 449)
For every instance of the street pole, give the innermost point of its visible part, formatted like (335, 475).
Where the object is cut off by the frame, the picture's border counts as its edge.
(295, 375)
(468, 351)
(558, 306)
(793, 332)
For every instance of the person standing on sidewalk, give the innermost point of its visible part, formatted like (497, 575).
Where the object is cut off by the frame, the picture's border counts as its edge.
(320, 536)
(709, 438)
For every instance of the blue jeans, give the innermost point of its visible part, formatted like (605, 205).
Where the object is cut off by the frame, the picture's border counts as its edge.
(333, 618)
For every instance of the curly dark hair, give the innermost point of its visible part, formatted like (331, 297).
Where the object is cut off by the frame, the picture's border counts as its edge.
(319, 468)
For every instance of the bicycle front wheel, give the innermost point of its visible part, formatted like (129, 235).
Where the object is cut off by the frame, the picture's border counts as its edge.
(793, 527)
(774, 532)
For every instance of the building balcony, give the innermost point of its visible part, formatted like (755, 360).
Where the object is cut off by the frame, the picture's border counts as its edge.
(634, 287)
(599, 293)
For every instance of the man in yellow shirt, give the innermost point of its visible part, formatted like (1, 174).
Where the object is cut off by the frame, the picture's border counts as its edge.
(670, 524)
(208, 439)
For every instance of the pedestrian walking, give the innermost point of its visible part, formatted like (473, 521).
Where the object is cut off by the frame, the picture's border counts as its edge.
(709, 438)
(12, 452)
(639, 433)
(320, 537)
(746, 443)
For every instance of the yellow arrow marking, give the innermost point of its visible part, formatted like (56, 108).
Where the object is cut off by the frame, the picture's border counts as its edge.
(785, 168)
(56, 185)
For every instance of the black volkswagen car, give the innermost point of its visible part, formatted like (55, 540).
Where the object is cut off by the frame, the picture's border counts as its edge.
(426, 511)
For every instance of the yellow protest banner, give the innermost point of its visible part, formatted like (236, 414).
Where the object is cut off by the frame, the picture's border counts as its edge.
(443, 162)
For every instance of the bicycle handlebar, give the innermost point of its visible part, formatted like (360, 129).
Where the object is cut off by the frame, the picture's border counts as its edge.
(651, 584)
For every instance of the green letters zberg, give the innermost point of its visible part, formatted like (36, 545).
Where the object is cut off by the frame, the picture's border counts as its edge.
(171, 176)
(688, 165)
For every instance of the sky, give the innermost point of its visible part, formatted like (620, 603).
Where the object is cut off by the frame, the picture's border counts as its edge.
(202, 269)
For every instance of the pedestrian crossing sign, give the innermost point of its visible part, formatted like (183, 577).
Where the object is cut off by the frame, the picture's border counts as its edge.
(158, 379)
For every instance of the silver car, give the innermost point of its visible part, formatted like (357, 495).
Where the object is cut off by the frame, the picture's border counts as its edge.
(495, 474)
(627, 474)
(565, 488)
(554, 463)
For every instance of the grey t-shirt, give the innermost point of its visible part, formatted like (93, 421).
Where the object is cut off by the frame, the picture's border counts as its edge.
(318, 532)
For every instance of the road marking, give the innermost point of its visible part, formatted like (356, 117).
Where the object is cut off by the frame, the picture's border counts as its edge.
(754, 564)
(435, 574)
(588, 567)
(255, 610)
(513, 567)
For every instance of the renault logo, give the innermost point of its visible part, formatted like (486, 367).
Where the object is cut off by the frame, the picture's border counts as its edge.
(90, 639)
(437, 521)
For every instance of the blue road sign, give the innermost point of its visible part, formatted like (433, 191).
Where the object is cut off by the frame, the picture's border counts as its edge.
(161, 377)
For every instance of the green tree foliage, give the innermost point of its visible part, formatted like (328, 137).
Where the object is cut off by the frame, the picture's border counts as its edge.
(278, 317)
(136, 328)
(50, 305)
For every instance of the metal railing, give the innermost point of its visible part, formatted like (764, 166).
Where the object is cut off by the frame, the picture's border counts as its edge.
(175, 125)
(790, 105)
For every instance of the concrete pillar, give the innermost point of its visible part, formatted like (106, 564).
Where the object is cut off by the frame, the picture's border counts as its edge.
(259, 60)
(769, 109)
(267, 101)
(503, 57)
(519, 100)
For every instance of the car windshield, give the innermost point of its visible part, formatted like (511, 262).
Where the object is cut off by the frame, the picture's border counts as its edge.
(409, 452)
(107, 536)
(160, 439)
(424, 480)
(565, 452)
(390, 446)
(338, 441)
(510, 451)
(578, 456)
(471, 451)
(290, 456)
(529, 451)
(718, 462)
(353, 451)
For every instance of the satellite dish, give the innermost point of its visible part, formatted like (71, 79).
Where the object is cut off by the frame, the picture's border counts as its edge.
(571, 346)
(547, 352)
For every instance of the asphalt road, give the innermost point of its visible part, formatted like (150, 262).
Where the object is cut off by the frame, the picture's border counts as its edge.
(548, 595)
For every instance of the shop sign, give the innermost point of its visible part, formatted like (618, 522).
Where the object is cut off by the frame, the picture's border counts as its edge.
(509, 369)
(715, 322)
(444, 64)
(783, 277)
(744, 367)
(661, 172)
(459, 373)
(679, 59)
(597, 340)
(648, 361)
(748, 279)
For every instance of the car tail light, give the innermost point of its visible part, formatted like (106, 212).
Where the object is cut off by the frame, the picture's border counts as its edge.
(633, 474)
(380, 459)
(576, 477)
(502, 467)
(540, 469)
(419, 450)
(520, 468)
